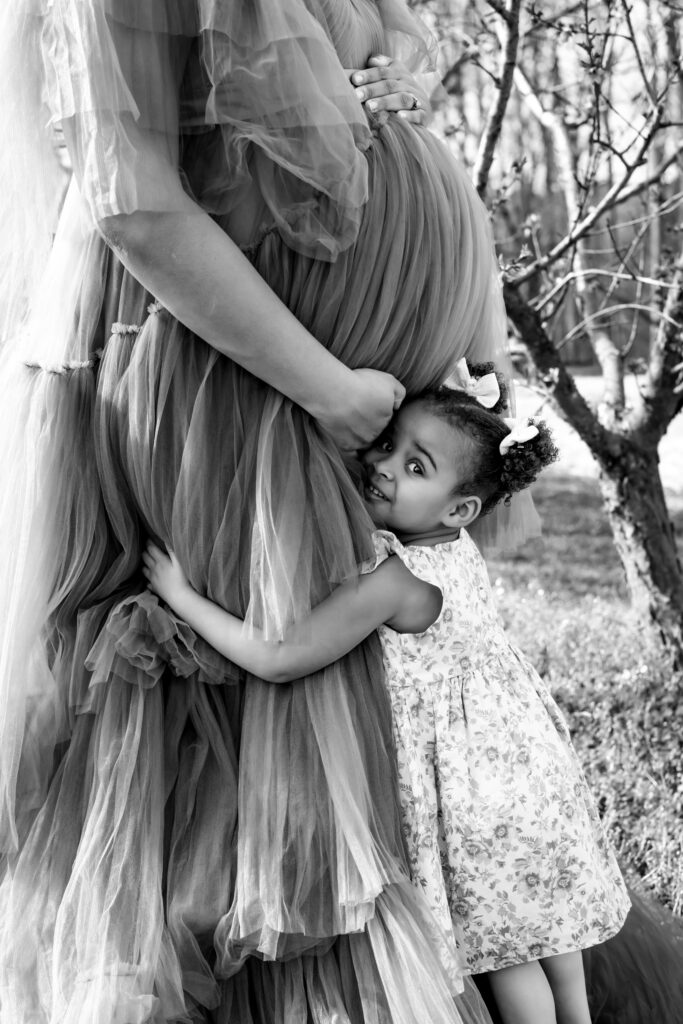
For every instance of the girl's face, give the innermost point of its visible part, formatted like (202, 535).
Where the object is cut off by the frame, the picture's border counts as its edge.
(411, 473)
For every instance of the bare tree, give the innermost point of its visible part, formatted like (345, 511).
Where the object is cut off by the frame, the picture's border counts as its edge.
(594, 240)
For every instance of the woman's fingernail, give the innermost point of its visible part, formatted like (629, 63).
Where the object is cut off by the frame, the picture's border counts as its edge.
(372, 104)
(401, 113)
(360, 93)
(358, 78)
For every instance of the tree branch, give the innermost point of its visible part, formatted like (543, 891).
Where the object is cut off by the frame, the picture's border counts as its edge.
(450, 79)
(652, 179)
(557, 381)
(499, 7)
(609, 311)
(494, 122)
(651, 94)
(610, 199)
(678, 387)
(589, 272)
(660, 393)
(605, 350)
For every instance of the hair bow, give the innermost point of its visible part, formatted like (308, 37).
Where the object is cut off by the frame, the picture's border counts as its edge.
(520, 433)
(485, 389)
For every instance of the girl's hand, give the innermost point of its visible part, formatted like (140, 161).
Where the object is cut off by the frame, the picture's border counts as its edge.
(387, 84)
(359, 413)
(165, 576)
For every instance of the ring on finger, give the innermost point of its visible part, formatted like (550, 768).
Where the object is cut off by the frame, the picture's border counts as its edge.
(415, 105)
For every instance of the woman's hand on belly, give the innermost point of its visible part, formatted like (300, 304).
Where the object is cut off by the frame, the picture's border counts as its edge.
(387, 84)
(358, 413)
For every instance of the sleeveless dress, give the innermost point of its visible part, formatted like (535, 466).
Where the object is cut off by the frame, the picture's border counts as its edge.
(179, 844)
(503, 835)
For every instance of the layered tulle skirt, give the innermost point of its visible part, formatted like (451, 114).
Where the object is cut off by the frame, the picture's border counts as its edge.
(189, 843)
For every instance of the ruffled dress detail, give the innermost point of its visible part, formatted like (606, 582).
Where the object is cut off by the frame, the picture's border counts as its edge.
(142, 636)
(183, 843)
(503, 835)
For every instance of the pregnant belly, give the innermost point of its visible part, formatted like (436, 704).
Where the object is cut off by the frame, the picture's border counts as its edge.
(413, 294)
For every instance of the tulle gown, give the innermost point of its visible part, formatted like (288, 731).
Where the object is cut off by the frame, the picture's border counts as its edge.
(182, 843)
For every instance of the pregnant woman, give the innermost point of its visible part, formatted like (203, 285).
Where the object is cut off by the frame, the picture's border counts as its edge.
(245, 266)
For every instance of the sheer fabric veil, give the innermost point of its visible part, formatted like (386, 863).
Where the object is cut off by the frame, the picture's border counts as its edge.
(34, 278)
(130, 753)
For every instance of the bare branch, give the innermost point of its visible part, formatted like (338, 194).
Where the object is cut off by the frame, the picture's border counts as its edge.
(599, 314)
(651, 94)
(610, 199)
(605, 350)
(554, 21)
(542, 302)
(499, 7)
(652, 179)
(494, 121)
(626, 257)
(635, 322)
(671, 21)
(450, 79)
(661, 393)
(556, 379)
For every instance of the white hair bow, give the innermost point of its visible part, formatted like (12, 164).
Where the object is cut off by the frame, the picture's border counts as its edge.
(485, 389)
(520, 433)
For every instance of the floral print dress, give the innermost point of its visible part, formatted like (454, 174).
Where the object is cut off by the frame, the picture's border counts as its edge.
(502, 832)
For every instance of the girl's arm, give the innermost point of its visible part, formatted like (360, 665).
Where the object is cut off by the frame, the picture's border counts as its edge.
(390, 594)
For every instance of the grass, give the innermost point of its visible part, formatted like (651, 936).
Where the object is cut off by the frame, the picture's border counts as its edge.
(576, 556)
(565, 602)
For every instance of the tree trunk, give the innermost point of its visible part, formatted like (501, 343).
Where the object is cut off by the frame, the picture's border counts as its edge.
(645, 540)
(632, 490)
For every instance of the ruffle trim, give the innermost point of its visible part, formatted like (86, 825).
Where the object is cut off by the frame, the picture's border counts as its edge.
(386, 543)
(142, 640)
(62, 369)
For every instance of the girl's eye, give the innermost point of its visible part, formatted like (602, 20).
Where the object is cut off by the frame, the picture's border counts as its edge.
(415, 467)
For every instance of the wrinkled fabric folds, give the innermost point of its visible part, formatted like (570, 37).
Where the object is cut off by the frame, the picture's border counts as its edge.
(185, 842)
(261, 78)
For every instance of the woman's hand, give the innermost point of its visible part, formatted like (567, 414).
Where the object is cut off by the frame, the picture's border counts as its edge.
(165, 576)
(387, 84)
(357, 414)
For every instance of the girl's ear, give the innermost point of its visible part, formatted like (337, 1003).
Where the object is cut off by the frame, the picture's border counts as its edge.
(461, 511)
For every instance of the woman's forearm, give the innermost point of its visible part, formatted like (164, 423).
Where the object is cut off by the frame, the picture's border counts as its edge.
(200, 275)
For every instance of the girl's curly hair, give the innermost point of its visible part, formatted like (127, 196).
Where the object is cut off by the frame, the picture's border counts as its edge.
(485, 471)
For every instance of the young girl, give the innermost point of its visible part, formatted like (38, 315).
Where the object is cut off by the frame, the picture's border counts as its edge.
(501, 830)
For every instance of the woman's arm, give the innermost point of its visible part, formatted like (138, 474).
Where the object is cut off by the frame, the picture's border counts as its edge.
(112, 84)
(198, 273)
(390, 594)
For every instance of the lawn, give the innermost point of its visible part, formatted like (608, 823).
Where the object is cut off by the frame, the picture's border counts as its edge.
(565, 603)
